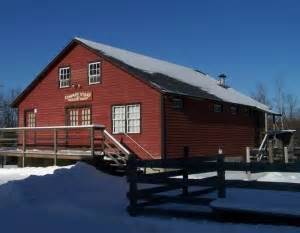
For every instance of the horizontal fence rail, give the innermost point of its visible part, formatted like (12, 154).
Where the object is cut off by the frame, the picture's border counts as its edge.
(172, 182)
(151, 189)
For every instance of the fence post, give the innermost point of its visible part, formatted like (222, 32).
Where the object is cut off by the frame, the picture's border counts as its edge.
(185, 173)
(24, 148)
(92, 136)
(270, 150)
(248, 160)
(55, 146)
(221, 176)
(286, 154)
(132, 180)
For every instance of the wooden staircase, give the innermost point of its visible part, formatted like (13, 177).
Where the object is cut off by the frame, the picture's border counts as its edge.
(115, 154)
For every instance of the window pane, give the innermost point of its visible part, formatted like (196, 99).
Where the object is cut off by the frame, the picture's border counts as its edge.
(94, 73)
(118, 114)
(64, 77)
(218, 108)
(86, 116)
(133, 118)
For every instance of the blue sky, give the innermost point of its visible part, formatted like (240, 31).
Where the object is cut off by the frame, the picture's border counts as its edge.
(251, 41)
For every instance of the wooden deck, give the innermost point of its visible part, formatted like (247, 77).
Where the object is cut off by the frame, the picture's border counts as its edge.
(61, 142)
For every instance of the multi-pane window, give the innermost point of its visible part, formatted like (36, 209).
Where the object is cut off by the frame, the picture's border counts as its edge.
(233, 110)
(86, 116)
(64, 77)
(94, 72)
(30, 119)
(126, 118)
(119, 119)
(218, 108)
(247, 111)
(133, 118)
(74, 117)
(79, 116)
(177, 103)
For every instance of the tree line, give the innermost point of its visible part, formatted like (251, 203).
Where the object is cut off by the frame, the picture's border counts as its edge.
(8, 115)
(283, 102)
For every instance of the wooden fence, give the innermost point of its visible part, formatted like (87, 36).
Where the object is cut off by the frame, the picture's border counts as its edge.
(173, 176)
(258, 167)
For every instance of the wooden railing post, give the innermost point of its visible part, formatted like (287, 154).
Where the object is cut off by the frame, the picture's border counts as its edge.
(132, 180)
(185, 174)
(286, 154)
(103, 138)
(55, 146)
(270, 150)
(92, 137)
(248, 159)
(221, 176)
(23, 147)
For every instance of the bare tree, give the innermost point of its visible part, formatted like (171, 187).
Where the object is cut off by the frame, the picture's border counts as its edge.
(261, 94)
(291, 105)
(8, 115)
(280, 97)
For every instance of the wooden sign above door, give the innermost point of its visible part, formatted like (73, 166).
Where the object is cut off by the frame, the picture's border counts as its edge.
(79, 96)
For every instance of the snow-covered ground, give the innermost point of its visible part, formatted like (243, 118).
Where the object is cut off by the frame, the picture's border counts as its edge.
(81, 199)
(263, 176)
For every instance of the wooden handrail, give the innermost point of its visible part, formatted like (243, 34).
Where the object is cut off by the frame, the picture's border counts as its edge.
(54, 127)
(136, 143)
(116, 143)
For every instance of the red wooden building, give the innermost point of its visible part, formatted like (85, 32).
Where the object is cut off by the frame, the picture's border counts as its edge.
(160, 105)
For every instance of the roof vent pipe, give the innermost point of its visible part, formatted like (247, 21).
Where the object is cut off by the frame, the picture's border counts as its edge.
(222, 78)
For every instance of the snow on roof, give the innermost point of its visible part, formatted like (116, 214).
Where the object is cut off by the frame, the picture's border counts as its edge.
(175, 78)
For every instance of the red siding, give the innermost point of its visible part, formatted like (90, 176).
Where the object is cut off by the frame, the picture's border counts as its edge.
(117, 87)
(204, 131)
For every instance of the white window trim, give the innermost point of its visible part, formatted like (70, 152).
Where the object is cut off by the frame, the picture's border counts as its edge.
(30, 119)
(74, 117)
(126, 119)
(114, 120)
(61, 80)
(92, 76)
(86, 116)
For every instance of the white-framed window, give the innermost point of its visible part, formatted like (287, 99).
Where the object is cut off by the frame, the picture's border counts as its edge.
(94, 72)
(119, 119)
(133, 118)
(85, 116)
(126, 118)
(74, 117)
(30, 119)
(79, 116)
(64, 77)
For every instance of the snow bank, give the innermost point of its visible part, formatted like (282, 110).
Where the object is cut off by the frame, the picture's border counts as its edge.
(15, 173)
(81, 199)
